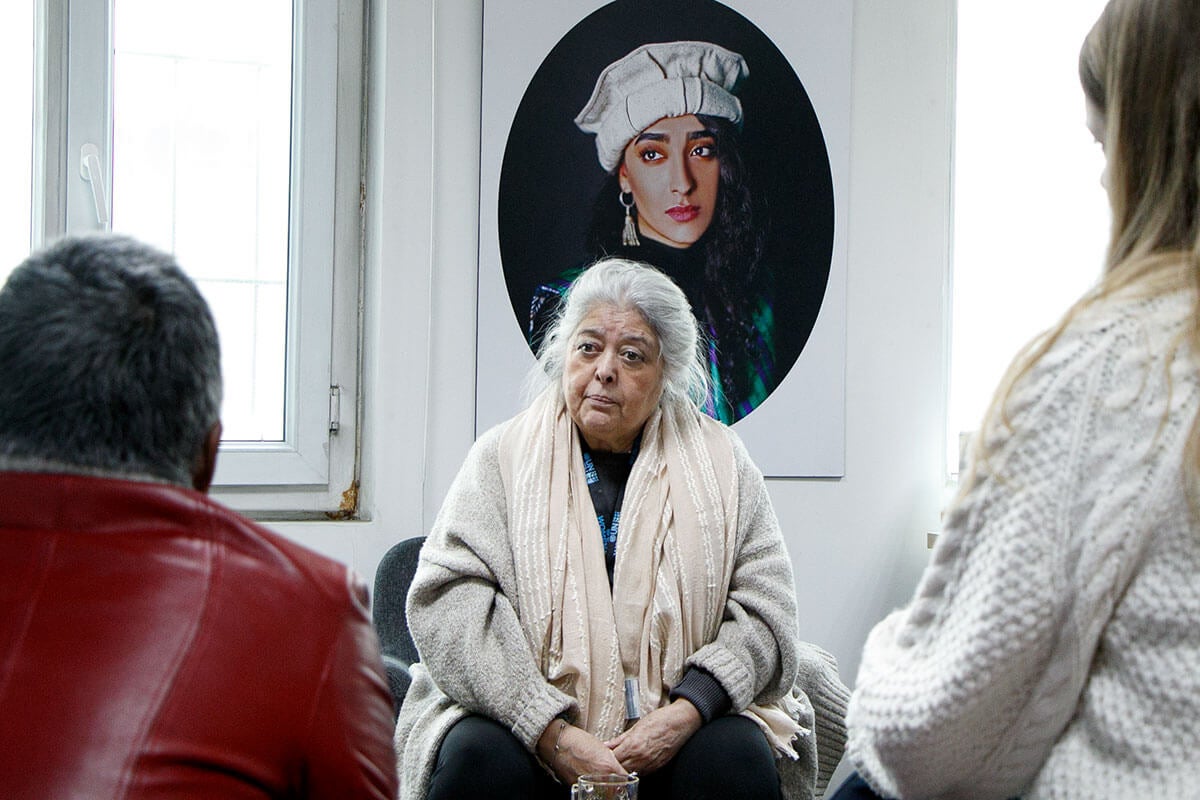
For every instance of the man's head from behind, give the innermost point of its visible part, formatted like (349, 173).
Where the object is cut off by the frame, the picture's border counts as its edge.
(109, 364)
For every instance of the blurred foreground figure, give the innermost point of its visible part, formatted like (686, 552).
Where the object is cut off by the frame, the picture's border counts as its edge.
(1052, 647)
(153, 643)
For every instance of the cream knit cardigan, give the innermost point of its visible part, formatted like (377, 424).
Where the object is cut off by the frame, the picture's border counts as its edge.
(1052, 648)
(476, 656)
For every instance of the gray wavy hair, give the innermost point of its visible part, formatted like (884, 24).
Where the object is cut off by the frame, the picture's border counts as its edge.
(625, 284)
(109, 362)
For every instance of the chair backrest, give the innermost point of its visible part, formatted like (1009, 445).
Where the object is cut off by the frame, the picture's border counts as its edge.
(392, 579)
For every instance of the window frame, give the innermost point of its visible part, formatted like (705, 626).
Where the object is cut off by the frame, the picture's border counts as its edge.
(313, 472)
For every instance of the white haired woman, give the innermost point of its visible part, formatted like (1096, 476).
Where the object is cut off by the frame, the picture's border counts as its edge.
(606, 588)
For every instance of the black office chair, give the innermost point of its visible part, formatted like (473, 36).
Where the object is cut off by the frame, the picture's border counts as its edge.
(392, 579)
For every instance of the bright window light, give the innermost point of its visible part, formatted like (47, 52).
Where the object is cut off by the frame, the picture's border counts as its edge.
(1031, 220)
(201, 138)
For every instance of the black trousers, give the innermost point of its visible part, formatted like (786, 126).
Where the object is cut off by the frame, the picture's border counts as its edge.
(855, 788)
(727, 759)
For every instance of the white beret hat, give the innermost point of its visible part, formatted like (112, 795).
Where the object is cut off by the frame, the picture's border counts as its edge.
(669, 79)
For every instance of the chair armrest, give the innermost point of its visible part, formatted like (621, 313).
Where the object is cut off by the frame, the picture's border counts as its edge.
(399, 677)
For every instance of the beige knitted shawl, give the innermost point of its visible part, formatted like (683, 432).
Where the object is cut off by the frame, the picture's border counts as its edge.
(675, 558)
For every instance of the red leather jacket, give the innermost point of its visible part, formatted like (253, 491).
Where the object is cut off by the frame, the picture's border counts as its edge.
(155, 644)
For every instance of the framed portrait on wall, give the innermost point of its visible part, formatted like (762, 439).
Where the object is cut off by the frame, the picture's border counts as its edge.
(710, 139)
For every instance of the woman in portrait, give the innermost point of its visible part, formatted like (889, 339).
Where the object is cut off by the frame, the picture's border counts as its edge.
(678, 196)
(1052, 647)
(606, 588)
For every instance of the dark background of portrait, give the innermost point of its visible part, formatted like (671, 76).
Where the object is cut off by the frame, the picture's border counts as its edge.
(550, 173)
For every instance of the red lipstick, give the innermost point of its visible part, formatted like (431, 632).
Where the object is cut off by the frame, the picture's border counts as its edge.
(683, 213)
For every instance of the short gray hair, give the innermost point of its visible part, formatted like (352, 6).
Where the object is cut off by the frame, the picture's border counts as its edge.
(626, 284)
(109, 362)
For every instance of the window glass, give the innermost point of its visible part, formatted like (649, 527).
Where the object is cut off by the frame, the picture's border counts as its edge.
(16, 134)
(1030, 216)
(201, 148)
(236, 147)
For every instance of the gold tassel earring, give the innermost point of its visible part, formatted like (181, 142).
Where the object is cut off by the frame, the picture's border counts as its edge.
(629, 237)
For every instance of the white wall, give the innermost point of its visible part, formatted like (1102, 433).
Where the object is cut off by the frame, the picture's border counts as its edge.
(858, 543)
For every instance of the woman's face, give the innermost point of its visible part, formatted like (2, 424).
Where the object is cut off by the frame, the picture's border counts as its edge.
(673, 171)
(612, 377)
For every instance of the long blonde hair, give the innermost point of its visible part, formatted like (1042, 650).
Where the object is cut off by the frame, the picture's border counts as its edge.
(1140, 67)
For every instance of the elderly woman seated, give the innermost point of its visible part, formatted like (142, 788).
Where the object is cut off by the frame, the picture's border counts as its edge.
(606, 588)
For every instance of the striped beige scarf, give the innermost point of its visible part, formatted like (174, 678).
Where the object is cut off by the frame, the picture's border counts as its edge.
(675, 558)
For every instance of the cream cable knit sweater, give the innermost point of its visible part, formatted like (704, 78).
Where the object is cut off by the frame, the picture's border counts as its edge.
(1052, 648)
(471, 640)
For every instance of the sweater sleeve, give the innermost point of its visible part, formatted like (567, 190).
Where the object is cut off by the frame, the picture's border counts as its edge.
(704, 692)
(964, 692)
(754, 656)
(462, 619)
(758, 655)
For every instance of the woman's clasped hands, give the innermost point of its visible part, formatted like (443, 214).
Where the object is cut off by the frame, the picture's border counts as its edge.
(645, 747)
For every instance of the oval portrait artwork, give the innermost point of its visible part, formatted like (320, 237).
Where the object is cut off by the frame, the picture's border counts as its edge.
(675, 133)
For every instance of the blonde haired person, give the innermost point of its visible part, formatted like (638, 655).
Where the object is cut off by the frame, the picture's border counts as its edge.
(1052, 646)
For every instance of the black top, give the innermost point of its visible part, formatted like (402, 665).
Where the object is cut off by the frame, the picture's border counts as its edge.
(612, 472)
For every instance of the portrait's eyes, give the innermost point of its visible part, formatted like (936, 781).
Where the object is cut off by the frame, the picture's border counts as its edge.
(651, 154)
(632, 356)
(704, 150)
(586, 347)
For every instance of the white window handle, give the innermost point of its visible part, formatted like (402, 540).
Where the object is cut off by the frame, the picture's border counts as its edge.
(89, 170)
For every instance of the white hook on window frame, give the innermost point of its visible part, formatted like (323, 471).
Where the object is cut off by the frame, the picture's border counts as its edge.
(89, 170)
